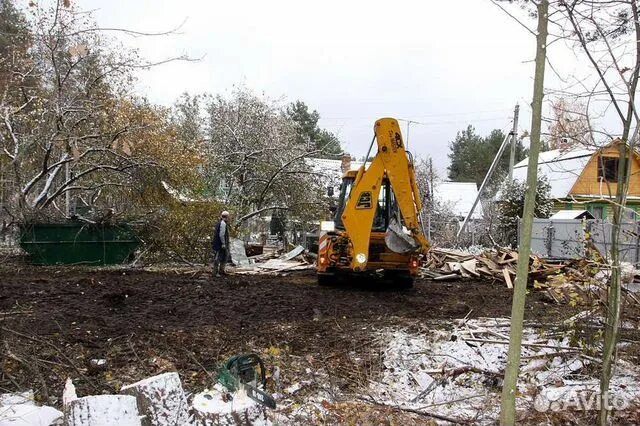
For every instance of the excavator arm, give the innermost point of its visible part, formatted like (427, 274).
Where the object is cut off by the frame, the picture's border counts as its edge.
(360, 210)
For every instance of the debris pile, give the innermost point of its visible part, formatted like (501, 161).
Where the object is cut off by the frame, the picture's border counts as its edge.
(499, 264)
(575, 282)
(273, 263)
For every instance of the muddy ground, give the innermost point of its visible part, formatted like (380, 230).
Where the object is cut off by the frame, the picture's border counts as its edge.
(55, 320)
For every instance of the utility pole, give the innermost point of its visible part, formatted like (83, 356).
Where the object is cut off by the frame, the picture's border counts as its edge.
(409, 123)
(486, 180)
(408, 127)
(514, 138)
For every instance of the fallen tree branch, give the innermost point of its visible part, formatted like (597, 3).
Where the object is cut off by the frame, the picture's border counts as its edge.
(453, 420)
(62, 354)
(534, 345)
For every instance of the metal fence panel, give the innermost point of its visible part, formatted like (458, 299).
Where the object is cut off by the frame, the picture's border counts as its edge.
(539, 237)
(565, 239)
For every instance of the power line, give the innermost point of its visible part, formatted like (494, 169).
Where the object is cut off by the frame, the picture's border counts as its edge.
(432, 123)
(446, 114)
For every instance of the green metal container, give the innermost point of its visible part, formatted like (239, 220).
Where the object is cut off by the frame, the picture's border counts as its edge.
(78, 243)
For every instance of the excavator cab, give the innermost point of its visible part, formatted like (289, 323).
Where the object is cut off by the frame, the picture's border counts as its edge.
(387, 206)
(376, 228)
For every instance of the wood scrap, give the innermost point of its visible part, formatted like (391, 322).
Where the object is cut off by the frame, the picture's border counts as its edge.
(507, 278)
(566, 282)
(446, 277)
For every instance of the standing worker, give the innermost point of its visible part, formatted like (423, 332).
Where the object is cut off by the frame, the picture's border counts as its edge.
(221, 244)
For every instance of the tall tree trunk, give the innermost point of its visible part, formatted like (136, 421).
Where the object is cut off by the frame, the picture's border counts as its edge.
(615, 288)
(613, 296)
(508, 405)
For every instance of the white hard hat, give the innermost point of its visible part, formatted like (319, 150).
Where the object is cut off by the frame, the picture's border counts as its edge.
(224, 213)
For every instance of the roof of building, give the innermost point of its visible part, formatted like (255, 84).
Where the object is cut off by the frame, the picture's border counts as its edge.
(459, 197)
(572, 214)
(562, 169)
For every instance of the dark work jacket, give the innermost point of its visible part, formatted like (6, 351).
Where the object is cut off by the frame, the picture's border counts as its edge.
(217, 243)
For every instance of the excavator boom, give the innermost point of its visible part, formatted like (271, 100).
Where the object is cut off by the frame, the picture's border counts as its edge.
(392, 161)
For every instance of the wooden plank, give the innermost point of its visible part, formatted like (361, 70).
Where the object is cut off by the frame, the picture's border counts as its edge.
(470, 267)
(446, 277)
(490, 263)
(507, 278)
(485, 271)
(506, 262)
(453, 266)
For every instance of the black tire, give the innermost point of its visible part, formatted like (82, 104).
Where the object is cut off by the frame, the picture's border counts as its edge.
(405, 282)
(325, 280)
(400, 280)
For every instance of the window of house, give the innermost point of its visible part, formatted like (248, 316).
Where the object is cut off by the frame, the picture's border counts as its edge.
(608, 169)
(629, 215)
(597, 212)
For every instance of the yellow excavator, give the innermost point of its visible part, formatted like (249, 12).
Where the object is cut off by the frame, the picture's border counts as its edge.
(376, 229)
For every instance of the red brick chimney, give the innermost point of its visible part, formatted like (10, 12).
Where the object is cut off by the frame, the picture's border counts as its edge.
(346, 163)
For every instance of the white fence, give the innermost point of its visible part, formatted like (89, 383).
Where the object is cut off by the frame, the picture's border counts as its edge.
(565, 238)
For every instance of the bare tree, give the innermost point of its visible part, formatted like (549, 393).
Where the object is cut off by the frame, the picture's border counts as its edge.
(605, 36)
(608, 35)
(255, 161)
(62, 123)
(569, 125)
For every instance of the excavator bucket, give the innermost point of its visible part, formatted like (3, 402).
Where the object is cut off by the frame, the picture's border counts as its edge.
(397, 240)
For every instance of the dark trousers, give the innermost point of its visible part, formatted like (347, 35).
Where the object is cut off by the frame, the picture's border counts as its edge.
(219, 260)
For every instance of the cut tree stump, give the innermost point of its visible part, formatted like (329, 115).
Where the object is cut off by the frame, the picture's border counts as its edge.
(212, 407)
(102, 410)
(161, 400)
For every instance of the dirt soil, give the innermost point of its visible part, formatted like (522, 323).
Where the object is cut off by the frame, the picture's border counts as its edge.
(54, 321)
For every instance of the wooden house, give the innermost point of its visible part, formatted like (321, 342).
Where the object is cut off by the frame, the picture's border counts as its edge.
(586, 179)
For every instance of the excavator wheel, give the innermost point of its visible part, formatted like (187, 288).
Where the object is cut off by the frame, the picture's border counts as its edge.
(326, 280)
(400, 280)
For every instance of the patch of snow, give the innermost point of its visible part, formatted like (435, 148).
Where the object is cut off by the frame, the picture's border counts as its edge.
(293, 388)
(562, 168)
(444, 373)
(16, 398)
(458, 197)
(28, 415)
(212, 402)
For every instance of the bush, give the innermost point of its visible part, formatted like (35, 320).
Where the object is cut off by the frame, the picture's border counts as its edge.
(182, 232)
(511, 206)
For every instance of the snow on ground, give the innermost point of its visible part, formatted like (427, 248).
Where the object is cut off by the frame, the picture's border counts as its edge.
(456, 375)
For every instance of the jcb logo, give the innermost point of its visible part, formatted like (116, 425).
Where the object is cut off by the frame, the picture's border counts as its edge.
(364, 201)
(395, 140)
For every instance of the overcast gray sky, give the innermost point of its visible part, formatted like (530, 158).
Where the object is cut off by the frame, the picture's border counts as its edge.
(444, 64)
